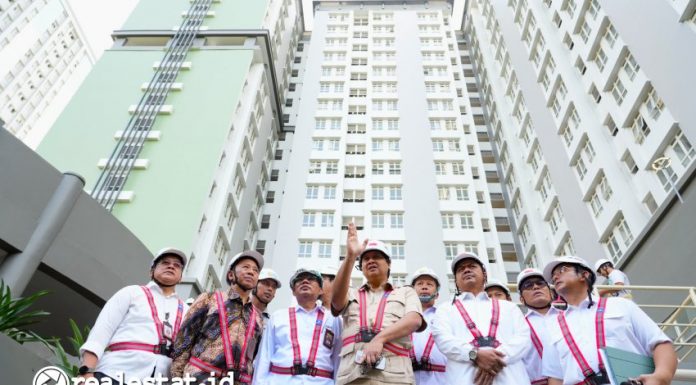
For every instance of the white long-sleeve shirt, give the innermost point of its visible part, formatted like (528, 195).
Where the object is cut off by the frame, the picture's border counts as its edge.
(454, 339)
(126, 317)
(532, 359)
(436, 357)
(626, 327)
(276, 347)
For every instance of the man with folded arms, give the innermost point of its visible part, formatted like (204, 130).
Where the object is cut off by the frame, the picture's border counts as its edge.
(458, 329)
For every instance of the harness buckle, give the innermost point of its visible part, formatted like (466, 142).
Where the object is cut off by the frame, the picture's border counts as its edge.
(600, 378)
(163, 349)
(299, 369)
(367, 335)
(488, 341)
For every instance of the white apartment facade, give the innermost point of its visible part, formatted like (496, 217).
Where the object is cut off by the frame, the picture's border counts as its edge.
(385, 137)
(43, 59)
(578, 122)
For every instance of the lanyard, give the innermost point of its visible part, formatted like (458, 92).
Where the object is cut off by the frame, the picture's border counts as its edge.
(224, 332)
(479, 339)
(600, 339)
(316, 336)
(159, 326)
(536, 341)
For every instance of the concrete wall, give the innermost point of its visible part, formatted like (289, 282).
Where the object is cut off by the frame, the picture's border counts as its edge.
(92, 256)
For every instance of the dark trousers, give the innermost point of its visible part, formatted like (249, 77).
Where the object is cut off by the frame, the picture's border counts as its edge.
(100, 375)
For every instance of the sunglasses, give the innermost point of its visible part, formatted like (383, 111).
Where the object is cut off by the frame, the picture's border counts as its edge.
(531, 283)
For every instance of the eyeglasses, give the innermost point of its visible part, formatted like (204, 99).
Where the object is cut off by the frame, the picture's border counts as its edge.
(531, 283)
(560, 270)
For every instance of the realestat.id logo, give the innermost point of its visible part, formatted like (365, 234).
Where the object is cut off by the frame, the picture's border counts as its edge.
(51, 375)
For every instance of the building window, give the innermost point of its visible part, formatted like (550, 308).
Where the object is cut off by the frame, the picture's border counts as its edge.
(640, 129)
(327, 219)
(305, 250)
(377, 220)
(308, 219)
(618, 91)
(397, 250)
(447, 220)
(325, 249)
(397, 220)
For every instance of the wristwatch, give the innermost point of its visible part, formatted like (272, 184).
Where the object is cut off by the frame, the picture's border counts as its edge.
(473, 355)
(84, 369)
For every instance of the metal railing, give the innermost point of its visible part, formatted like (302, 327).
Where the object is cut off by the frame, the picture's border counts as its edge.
(680, 320)
(124, 155)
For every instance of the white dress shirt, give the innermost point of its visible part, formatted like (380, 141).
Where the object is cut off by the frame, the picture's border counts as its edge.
(532, 359)
(126, 317)
(618, 276)
(424, 377)
(454, 339)
(276, 347)
(626, 327)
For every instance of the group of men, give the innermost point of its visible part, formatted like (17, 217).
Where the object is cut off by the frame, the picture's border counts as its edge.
(376, 333)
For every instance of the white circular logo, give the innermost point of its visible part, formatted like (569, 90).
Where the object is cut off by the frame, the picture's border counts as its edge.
(51, 375)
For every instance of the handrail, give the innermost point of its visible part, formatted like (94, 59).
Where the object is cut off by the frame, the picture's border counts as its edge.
(679, 324)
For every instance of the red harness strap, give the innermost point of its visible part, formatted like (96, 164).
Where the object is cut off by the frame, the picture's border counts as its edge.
(536, 341)
(600, 340)
(240, 369)
(297, 368)
(471, 325)
(366, 334)
(162, 346)
(424, 363)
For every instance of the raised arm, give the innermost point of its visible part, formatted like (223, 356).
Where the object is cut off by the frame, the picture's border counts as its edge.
(339, 298)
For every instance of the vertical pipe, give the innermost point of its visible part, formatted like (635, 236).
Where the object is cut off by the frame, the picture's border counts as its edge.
(17, 269)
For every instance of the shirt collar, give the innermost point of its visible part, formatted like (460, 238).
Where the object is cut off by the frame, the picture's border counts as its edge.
(234, 296)
(317, 308)
(431, 309)
(581, 306)
(152, 285)
(468, 295)
(535, 313)
(387, 287)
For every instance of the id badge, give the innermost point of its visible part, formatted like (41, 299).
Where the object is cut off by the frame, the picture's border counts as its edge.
(329, 339)
(168, 330)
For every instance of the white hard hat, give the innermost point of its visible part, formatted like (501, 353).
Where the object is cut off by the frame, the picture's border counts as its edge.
(301, 271)
(468, 255)
(601, 262)
(169, 251)
(253, 254)
(269, 274)
(329, 270)
(492, 282)
(375, 246)
(423, 271)
(526, 273)
(572, 259)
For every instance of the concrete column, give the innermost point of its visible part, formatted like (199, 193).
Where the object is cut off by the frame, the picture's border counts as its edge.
(17, 269)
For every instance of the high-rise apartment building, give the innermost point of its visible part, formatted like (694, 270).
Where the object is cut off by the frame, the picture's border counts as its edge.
(176, 126)
(385, 137)
(43, 59)
(588, 117)
(519, 130)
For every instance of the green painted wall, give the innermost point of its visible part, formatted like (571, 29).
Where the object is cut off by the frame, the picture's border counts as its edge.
(165, 14)
(170, 194)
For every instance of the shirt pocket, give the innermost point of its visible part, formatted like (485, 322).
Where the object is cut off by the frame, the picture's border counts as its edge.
(616, 327)
(347, 359)
(393, 310)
